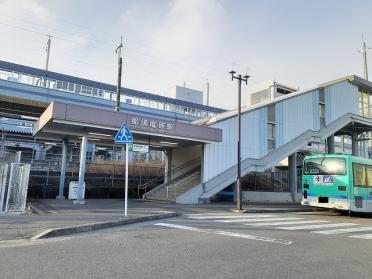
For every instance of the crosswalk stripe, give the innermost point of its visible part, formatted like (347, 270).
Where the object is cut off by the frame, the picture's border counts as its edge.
(363, 236)
(286, 223)
(259, 220)
(316, 226)
(207, 217)
(348, 230)
(226, 233)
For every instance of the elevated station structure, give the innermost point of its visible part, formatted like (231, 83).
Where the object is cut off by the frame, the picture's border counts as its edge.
(199, 142)
(275, 130)
(27, 92)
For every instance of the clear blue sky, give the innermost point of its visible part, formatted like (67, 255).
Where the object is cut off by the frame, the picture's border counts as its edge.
(300, 43)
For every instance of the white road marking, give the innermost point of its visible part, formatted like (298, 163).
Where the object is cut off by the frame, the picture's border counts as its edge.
(348, 230)
(259, 219)
(226, 233)
(208, 217)
(286, 223)
(309, 227)
(363, 236)
(28, 242)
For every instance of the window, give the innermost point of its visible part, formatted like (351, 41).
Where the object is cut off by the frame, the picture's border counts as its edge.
(325, 165)
(270, 136)
(369, 175)
(364, 102)
(86, 90)
(77, 88)
(70, 87)
(359, 173)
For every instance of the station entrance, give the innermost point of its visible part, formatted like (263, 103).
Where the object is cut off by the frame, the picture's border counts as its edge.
(87, 135)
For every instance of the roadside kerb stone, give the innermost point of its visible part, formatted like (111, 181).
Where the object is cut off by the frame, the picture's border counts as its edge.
(48, 233)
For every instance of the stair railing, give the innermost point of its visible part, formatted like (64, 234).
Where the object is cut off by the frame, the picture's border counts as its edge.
(186, 179)
(155, 180)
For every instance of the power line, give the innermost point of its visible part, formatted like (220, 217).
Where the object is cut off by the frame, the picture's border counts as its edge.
(162, 59)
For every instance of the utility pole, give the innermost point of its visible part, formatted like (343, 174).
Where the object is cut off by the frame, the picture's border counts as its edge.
(364, 53)
(120, 63)
(238, 180)
(47, 58)
(207, 93)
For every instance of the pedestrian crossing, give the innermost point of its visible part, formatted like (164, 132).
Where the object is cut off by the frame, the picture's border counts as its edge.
(291, 223)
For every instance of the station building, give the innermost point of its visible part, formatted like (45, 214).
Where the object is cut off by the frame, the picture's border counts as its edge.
(195, 144)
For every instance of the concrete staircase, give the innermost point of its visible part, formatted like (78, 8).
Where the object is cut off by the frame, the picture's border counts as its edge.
(170, 191)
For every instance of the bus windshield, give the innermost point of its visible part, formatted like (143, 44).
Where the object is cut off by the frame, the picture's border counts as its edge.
(325, 165)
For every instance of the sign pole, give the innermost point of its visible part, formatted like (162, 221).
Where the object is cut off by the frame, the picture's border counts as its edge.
(124, 136)
(126, 181)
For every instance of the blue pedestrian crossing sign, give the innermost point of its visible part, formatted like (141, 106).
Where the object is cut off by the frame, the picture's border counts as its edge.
(124, 135)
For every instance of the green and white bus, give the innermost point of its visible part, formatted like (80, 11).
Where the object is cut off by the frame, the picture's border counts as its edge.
(337, 181)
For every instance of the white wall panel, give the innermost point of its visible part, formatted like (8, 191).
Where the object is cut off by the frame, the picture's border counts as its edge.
(295, 116)
(221, 156)
(340, 98)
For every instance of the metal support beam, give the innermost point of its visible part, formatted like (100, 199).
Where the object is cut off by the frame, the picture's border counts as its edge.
(168, 165)
(63, 170)
(292, 175)
(354, 144)
(331, 144)
(83, 158)
(2, 147)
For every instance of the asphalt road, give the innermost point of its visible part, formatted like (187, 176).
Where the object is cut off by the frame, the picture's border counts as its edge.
(288, 245)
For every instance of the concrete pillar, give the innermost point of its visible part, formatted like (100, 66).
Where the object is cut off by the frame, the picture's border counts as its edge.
(168, 165)
(2, 146)
(71, 153)
(83, 158)
(202, 166)
(93, 153)
(331, 144)
(63, 169)
(354, 144)
(292, 175)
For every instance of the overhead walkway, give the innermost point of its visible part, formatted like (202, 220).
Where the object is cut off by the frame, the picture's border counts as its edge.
(204, 191)
(277, 129)
(346, 123)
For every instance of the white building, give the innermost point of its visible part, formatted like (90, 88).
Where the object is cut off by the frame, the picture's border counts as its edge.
(187, 94)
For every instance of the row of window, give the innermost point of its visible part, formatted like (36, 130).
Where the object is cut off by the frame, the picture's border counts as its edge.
(99, 93)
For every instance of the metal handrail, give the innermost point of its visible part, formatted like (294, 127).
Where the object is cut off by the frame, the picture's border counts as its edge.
(188, 178)
(166, 185)
(173, 171)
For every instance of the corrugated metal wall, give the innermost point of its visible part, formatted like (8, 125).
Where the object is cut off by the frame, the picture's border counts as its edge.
(221, 156)
(295, 116)
(340, 98)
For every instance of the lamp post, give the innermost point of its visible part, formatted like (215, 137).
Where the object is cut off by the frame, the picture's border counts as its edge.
(240, 78)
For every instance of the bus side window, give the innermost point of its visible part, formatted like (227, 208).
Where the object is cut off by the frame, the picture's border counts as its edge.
(369, 175)
(359, 172)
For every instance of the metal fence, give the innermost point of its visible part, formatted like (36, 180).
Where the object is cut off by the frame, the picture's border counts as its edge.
(14, 178)
(17, 187)
(269, 181)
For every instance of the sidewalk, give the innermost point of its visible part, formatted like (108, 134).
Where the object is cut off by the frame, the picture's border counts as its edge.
(63, 213)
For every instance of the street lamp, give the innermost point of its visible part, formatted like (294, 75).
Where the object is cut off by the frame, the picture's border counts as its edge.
(240, 78)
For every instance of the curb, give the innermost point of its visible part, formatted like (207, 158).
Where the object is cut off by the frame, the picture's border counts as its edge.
(98, 226)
